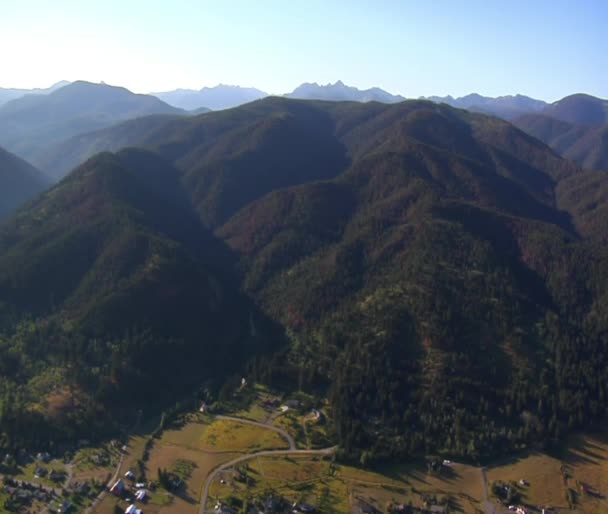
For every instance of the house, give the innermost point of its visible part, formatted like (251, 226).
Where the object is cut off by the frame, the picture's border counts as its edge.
(141, 495)
(521, 510)
(130, 475)
(118, 488)
(132, 509)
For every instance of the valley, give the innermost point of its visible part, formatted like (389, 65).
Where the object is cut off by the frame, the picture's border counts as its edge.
(345, 259)
(227, 463)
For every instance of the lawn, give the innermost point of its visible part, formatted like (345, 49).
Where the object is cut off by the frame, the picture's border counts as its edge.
(225, 435)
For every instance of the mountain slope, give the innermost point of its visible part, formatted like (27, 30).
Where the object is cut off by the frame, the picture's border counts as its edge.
(214, 98)
(32, 123)
(575, 127)
(339, 92)
(19, 181)
(125, 284)
(579, 109)
(440, 274)
(507, 107)
(6, 94)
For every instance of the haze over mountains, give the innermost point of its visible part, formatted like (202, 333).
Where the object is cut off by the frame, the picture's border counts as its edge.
(506, 107)
(19, 181)
(82, 118)
(7, 94)
(339, 92)
(31, 124)
(575, 126)
(214, 98)
(433, 268)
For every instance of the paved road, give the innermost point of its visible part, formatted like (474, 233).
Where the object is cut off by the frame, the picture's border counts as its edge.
(290, 440)
(243, 458)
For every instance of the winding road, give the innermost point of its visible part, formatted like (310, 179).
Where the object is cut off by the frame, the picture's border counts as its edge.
(264, 453)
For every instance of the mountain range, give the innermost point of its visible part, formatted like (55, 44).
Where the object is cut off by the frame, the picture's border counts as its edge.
(506, 107)
(439, 274)
(31, 124)
(339, 92)
(7, 94)
(575, 126)
(214, 98)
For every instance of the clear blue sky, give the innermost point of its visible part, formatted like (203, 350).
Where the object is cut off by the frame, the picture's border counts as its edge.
(543, 48)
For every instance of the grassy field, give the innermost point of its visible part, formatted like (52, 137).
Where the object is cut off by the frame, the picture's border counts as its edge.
(545, 486)
(338, 489)
(225, 435)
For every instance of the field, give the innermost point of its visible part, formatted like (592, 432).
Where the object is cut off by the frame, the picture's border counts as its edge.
(191, 452)
(225, 435)
(334, 488)
(578, 477)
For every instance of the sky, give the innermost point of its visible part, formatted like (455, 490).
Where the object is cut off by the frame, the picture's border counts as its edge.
(546, 49)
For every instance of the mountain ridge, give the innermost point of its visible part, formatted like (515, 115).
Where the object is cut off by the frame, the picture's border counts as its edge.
(426, 264)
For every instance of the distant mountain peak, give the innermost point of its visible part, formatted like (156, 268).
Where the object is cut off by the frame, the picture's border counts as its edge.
(339, 91)
(222, 96)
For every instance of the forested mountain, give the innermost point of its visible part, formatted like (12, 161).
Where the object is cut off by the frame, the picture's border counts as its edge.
(506, 107)
(32, 123)
(19, 181)
(340, 92)
(575, 127)
(61, 158)
(8, 94)
(439, 273)
(133, 297)
(215, 98)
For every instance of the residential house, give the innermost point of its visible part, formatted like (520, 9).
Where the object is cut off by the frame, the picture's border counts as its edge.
(118, 488)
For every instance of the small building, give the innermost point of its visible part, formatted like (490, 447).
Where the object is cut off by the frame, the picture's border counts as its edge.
(118, 488)
(130, 475)
(132, 509)
(141, 495)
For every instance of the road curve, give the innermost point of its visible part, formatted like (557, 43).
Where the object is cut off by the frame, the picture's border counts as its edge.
(289, 438)
(243, 458)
